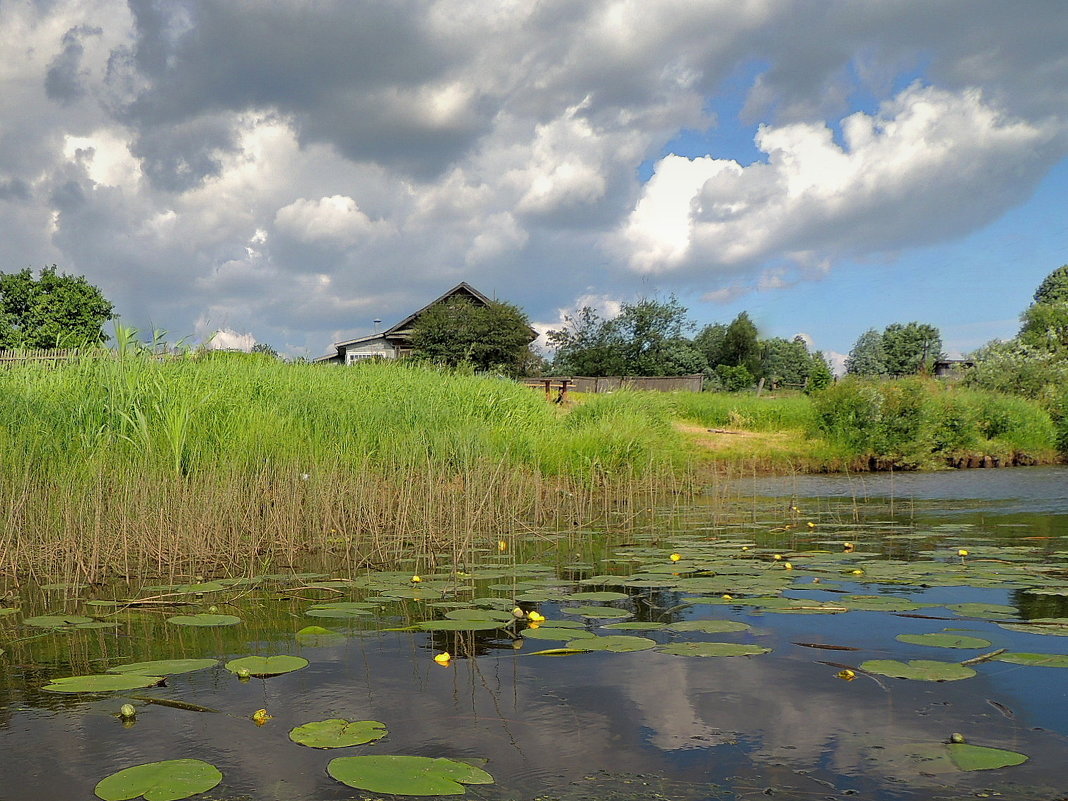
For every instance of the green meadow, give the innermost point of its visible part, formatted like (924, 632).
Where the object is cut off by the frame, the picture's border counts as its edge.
(116, 467)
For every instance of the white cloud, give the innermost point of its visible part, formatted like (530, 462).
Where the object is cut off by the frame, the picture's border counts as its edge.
(928, 164)
(335, 219)
(227, 339)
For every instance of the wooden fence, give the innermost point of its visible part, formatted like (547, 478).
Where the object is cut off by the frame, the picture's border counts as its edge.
(9, 357)
(682, 383)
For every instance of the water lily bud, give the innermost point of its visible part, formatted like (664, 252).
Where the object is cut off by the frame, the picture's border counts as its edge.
(502, 545)
(443, 658)
(416, 579)
(213, 610)
(845, 675)
(811, 524)
(127, 711)
(777, 557)
(676, 557)
(857, 572)
(962, 552)
(517, 612)
(957, 737)
(787, 565)
(261, 716)
(727, 597)
(244, 674)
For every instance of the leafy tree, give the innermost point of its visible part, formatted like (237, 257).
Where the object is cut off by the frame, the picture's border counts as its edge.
(911, 348)
(1054, 287)
(1045, 326)
(709, 341)
(734, 378)
(867, 358)
(493, 337)
(741, 345)
(820, 375)
(647, 338)
(785, 361)
(51, 310)
(264, 348)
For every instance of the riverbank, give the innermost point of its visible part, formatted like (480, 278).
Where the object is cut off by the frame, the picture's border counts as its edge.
(176, 468)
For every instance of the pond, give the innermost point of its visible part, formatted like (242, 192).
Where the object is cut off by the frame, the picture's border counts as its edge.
(803, 637)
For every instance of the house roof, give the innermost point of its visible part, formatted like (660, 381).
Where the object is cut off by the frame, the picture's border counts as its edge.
(462, 288)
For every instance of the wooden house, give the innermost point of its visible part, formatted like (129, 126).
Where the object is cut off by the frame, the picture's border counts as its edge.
(396, 341)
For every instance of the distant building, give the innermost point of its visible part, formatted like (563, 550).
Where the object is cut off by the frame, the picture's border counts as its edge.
(396, 341)
(949, 368)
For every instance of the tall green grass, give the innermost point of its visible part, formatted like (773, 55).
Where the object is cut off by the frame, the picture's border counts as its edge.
(125, 465)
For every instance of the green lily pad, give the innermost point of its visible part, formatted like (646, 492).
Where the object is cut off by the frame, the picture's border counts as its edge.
(102, 683)
(337, 733)
(8, 610)
(918, 669)
(713, 649)
(263, 666)
(977, 757)
(1041, 660)
(604, 595)
(406, 775)
(555, 633)
(318, 636)
(616, 643)
(634, 625)
(56, 621)
(709, 626)
(339, 614)
(941, 640)
(459, 625)
(170, 780)
(1050, 626)
(984, 610)
(881, 603)
(596, 611)
(165, 667)
(480, 614)
(204, 620)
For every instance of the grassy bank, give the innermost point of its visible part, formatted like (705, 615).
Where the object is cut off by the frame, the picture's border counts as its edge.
(185, 466)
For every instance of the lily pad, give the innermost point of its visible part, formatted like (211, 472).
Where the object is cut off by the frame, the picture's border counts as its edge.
(337, 733)
(881, 603)
(102, 683)
(480, 614)
(8, 610)
(263, 666)
(634, 625)
(170, 780)
(709, 626)
(713, 649)
(555, 633)
(604, 595)
(617, 643)
(406, 775)
(942, 640)
(596, 611)
(459, 625)
(984, 610)
(918, 669)
(1040, 660)
(164, 667)
(56, 621)
(977, 757)
(204, 620)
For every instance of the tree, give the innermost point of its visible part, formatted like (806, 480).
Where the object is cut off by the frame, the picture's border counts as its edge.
(911, 348)
(647, 338)
(820, 375)
(867, 358)
(492, 337)
(709, 341)
(741, 345)
(265, 349)
(1054, 287)
(785, 361)
(52, 310)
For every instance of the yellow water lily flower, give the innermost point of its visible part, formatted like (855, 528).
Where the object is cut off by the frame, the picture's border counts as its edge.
(777, 557)
(443, 658)
(811, 524)
(962, 552)
(261, 716)
(675, 557)
(849, 547)
(745, 547)
(845, 675)
(502, 545)
(787, 565)
(535, 617)
(517, 612)
(416, 579)
(857, 572)
(727, 597)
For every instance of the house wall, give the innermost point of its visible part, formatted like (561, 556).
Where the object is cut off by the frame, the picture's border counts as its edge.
(374, 348)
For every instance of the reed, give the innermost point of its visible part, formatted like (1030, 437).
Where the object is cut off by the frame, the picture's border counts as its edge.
(178, 467)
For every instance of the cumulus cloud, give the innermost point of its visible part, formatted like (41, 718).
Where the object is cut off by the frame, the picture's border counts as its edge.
(922, 169)
(297, 170)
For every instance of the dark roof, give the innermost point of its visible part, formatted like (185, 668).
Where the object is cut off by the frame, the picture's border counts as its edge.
(462, 288)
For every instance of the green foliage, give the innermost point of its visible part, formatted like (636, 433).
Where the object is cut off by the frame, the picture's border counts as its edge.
(51, 310)
(169, 780)
(734, 379)
(867, 358)
(494, 338)
(741, 345)
(820, 375)
(265, 349)
(1045, 326)
(1054, 287)
(646, 338)
(910, 348)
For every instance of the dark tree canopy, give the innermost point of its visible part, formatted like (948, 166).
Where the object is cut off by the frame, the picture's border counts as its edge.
(52, 310)
(494, 337)
(911, 348)
(741, 345)
(1054, 287)
(867, 358)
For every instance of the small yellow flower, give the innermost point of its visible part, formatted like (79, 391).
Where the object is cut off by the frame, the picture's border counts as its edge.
(845, 675)
(858, 572)
(535, 617)
(502, 545)
(261, 716)
(811, 524)
(416, 579)
(794, 509)
(676, 557)
(443, 658)
(727, 597)
(962, 553)
(787, 565)
(849, 547)
(745, 547)
(777, 557)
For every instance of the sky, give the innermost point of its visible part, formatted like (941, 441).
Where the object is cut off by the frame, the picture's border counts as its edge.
(288, 172)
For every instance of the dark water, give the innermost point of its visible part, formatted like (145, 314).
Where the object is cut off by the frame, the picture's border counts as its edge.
(599, 725)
